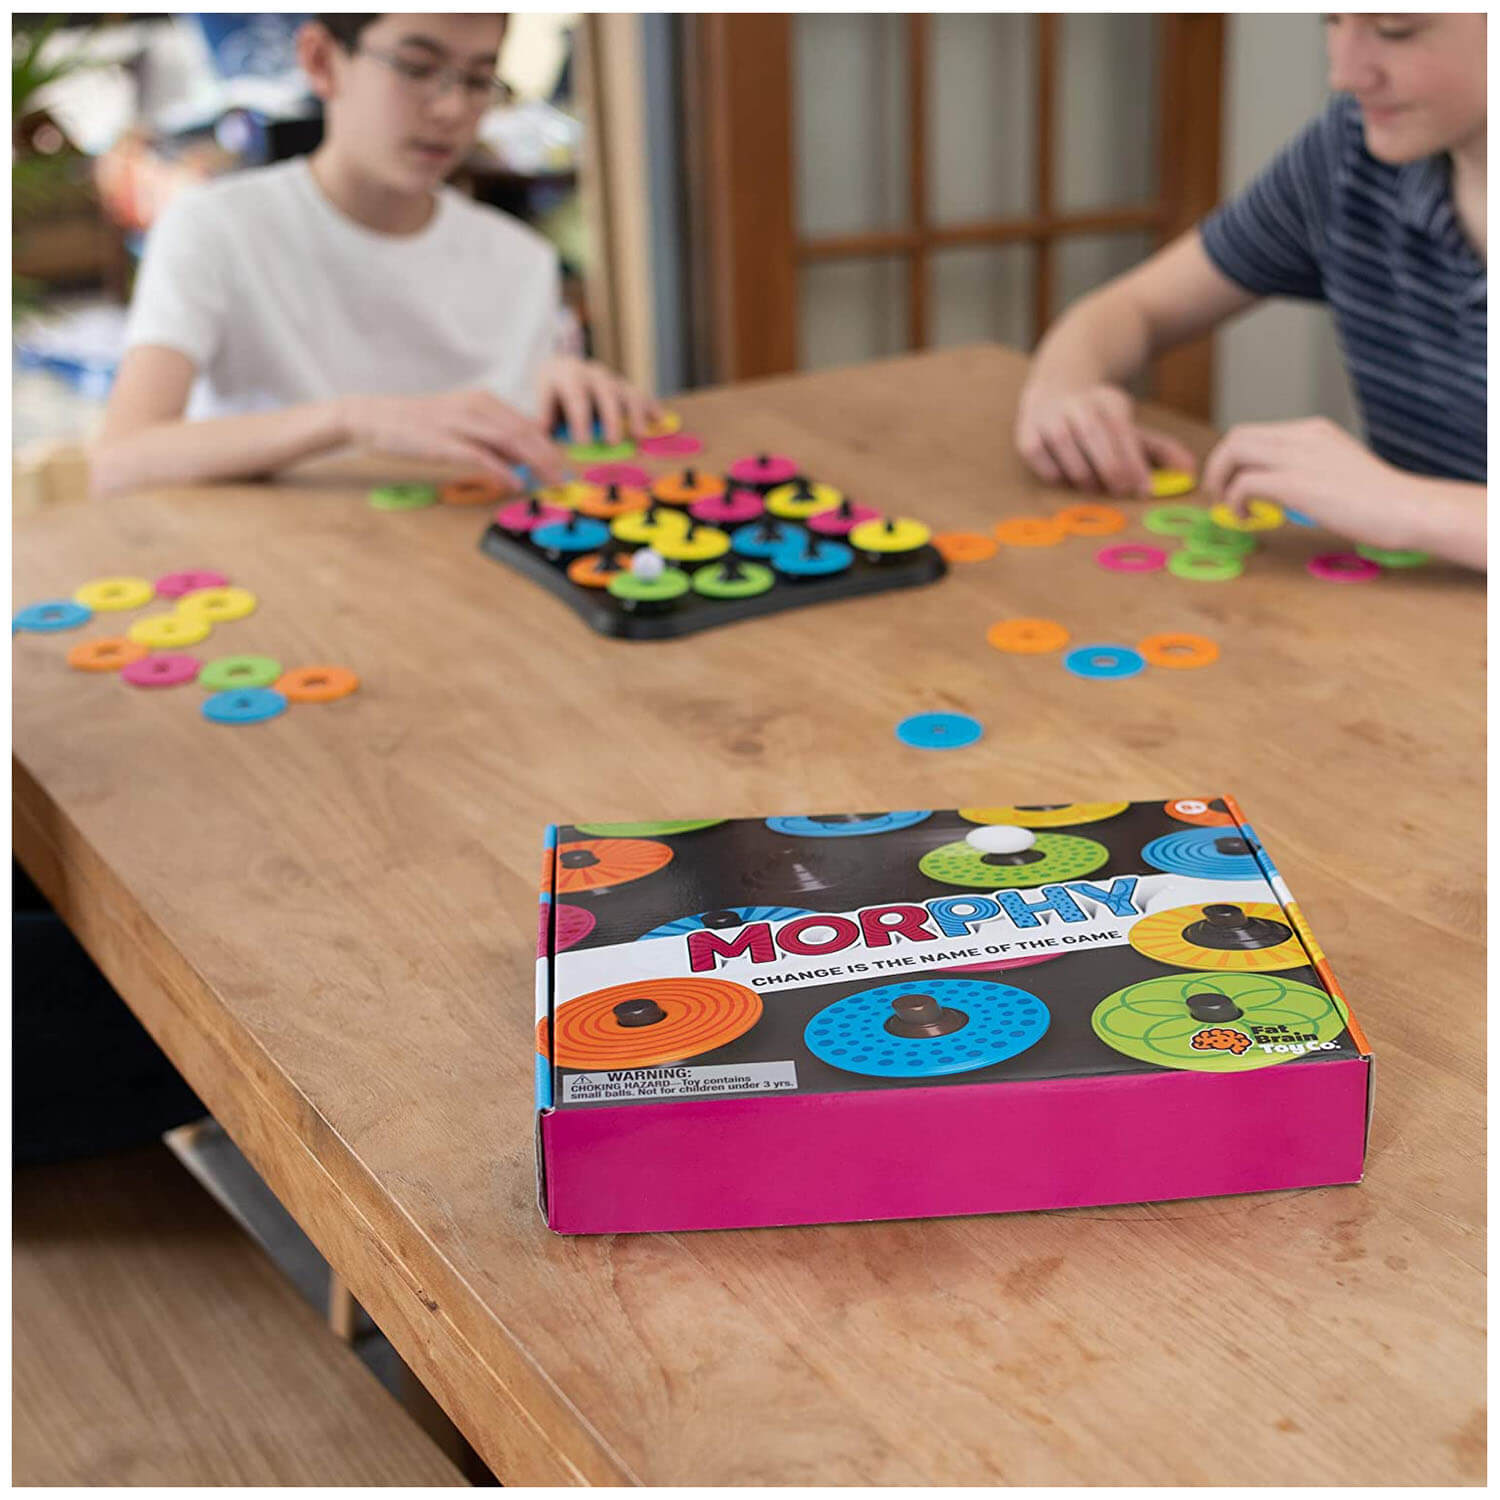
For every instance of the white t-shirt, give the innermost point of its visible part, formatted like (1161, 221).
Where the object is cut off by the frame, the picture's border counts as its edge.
(279, 298)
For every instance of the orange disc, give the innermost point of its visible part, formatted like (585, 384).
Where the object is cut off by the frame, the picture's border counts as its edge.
(476, 491)
(1030, 531)
(107, 655)
(1088, 519)
(316, 684)
(1198, 811)
(965, 546)
(591, 864)
(688, 487)
(1178, 649)
(586, 572)
(608, 501)
(1027, 637)
(675, 1019)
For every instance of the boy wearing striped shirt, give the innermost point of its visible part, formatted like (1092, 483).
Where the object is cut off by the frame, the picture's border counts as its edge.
(1378, 209)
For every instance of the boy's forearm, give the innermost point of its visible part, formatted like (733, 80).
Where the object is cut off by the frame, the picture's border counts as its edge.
(1104, 339)
(1449, 520)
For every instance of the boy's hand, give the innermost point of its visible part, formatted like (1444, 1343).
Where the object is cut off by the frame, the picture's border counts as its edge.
(472, 429)
(1090, 439)
(578, 388)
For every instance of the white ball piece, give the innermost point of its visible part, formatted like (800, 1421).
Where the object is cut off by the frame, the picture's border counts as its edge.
(647, 564)
(1000, 838)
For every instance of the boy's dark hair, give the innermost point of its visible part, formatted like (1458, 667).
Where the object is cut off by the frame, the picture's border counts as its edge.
(347, 29)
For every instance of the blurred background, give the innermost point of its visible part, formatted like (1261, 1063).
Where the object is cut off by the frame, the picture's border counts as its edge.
(732, 196)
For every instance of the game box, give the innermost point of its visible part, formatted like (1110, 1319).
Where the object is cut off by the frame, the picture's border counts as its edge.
(810, 1019)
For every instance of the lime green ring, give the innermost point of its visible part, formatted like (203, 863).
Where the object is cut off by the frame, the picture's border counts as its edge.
(600, 453)
(671, 585)
(1212, 542)
(403, 496)
(1175, 520)
(662, 829)
(1203, 567)
(229, 672)
(1388, 558)
(756, 579)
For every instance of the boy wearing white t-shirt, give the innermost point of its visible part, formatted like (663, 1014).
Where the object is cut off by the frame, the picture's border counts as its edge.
(349, 297)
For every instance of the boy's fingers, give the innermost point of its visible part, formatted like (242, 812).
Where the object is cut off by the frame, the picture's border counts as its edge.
(611, 413)
(1163, 451)
(1097, 443)
(639, 411)
(1065, 454)
(576, 408)
(1034, 451)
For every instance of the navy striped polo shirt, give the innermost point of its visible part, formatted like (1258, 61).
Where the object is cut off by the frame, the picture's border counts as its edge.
(1382, 246)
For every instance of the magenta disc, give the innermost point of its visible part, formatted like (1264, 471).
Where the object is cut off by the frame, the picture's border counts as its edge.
(573, 925)
(836, 523)
(175, 585)
(675, 445)
(766, 469)
(1131, 557)
(732, 509)
(517, 517)
(162, 669)
(1343, 567)
(627, 476)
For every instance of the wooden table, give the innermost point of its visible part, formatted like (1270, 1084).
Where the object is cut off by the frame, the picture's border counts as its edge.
(328, 922)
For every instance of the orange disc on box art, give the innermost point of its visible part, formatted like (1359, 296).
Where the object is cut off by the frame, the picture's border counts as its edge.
(1088, 519)
(593, 864)
(965, 546)
(649, 1022)
(1030, 531)
(1198, 811)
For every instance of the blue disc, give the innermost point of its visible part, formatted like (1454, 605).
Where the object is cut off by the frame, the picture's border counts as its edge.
(939, 731)
(684, 925)
(828, 557)
(1104, 662)
(52, 614)
(747, 541)
(577, 534)
(1296, 517)
(851, 827)
(244, 705)
(1196, 851)
(1002, 1022)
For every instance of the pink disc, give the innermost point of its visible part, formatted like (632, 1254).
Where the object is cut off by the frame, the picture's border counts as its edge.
(732, 509)
(1131, 557)
(573, 925)
(766, 469)
(518, 515)
(175, 585)
(627, 476)
(1343, 567)
(674, 445)
(838, 522)
(162, 669)
(1001, 963)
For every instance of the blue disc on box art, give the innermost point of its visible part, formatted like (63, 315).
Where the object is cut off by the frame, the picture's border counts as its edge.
(1208, 853)
(939, 731)
(845, 825)
(728, 917)
(50, 615)
(244, 706)
(995, 1022)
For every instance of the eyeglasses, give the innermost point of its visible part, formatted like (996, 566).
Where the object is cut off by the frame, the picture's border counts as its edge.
(429, 81)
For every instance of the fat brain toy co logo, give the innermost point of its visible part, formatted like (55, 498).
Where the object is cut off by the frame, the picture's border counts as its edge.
(819, 934)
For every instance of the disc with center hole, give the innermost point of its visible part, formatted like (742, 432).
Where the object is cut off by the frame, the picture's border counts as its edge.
(162, 632)
(1168, 482)
(1205, 853)
(939, 731)
(317, 684)
(691, 1017)
(796, 502)
(1057, 856)
(751, 579)
(50, 615)
(1162, 936)
(162, 669)
(1027, 637)
(1030, 815)
(106, 655)
(175, 585)
(244, 706)
(1030, 531)
(218, 605)
(226, 672)
(845, 825)
(1199, 811)
(595, 864)
(102, 594)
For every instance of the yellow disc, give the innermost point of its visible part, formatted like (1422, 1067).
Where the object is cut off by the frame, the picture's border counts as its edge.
(703, 545)
(898, 534)
(101, 594)
(1162, 936)
(1168, 482)
(636, 526)
(668, 424)
(795, 502)
(569, 494)
(217, 605)
(1264, 515)
(1035, 816)
(161, 632)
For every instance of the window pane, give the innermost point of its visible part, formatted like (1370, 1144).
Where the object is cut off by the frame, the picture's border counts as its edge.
(850, 311)
(1106, 131)
(981, 292)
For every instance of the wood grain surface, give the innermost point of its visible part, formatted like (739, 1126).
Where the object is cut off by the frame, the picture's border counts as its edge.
(328, 921)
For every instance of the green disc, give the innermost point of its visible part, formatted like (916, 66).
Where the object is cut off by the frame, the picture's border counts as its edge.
(672, 583)
(1152, 1022)
(226, 672)
(1065, 856)
(755, 578)
(600, 453)
(403, 496)
(1204, 567)
(1214, 541)
(1175, 520)
(646, 830)
(1397, 559)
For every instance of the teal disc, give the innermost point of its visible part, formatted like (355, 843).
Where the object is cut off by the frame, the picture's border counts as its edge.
(226, 672)
(403, 496)
(1063, 856)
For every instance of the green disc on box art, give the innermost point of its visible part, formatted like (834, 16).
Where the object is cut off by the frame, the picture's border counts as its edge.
(647, 830)
(1064, 856)
(1206, 1022)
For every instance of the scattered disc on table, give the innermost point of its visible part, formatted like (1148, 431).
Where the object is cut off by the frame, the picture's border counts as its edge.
(605, 502)
(764, 470)
(1027, 637)
(225, 672)
(1343, 567)
(162, 669)
(568, 538)
(403, 496)
(698, 544)
(316, 684)
(1249, 936)
(593, 864)
(1176, 520)
(244, 706)
(659, 828)
(1168, 482)
(1001, 838)
(1053, 857)
(477, 490)
(1204, 853)
(733, 509)
(842, 519)
(105, 594)
(1030, 531)
(1103, 662)
(1131, 557)
(106, 655)
(593, 571)
(601, 452)
(665, 424)
(1178, 649)
(161, 632)
(846, 825)
(218, 605)
(687, 487)
(939, 731)
(1296, 517)
(175, 585)
(733, 578)
(812, 557)
(801, 499)
(1204, 568)
(1209, 540)
(677, 445)
(522, 516)
(893, 534)
(728, 917)
(1088, 519)
(627, 476)
(1045, 815)
(1392, 557)
(50, 615)
(1260, 515)
(965, 546)
(649, 1022)
(1200, 812)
